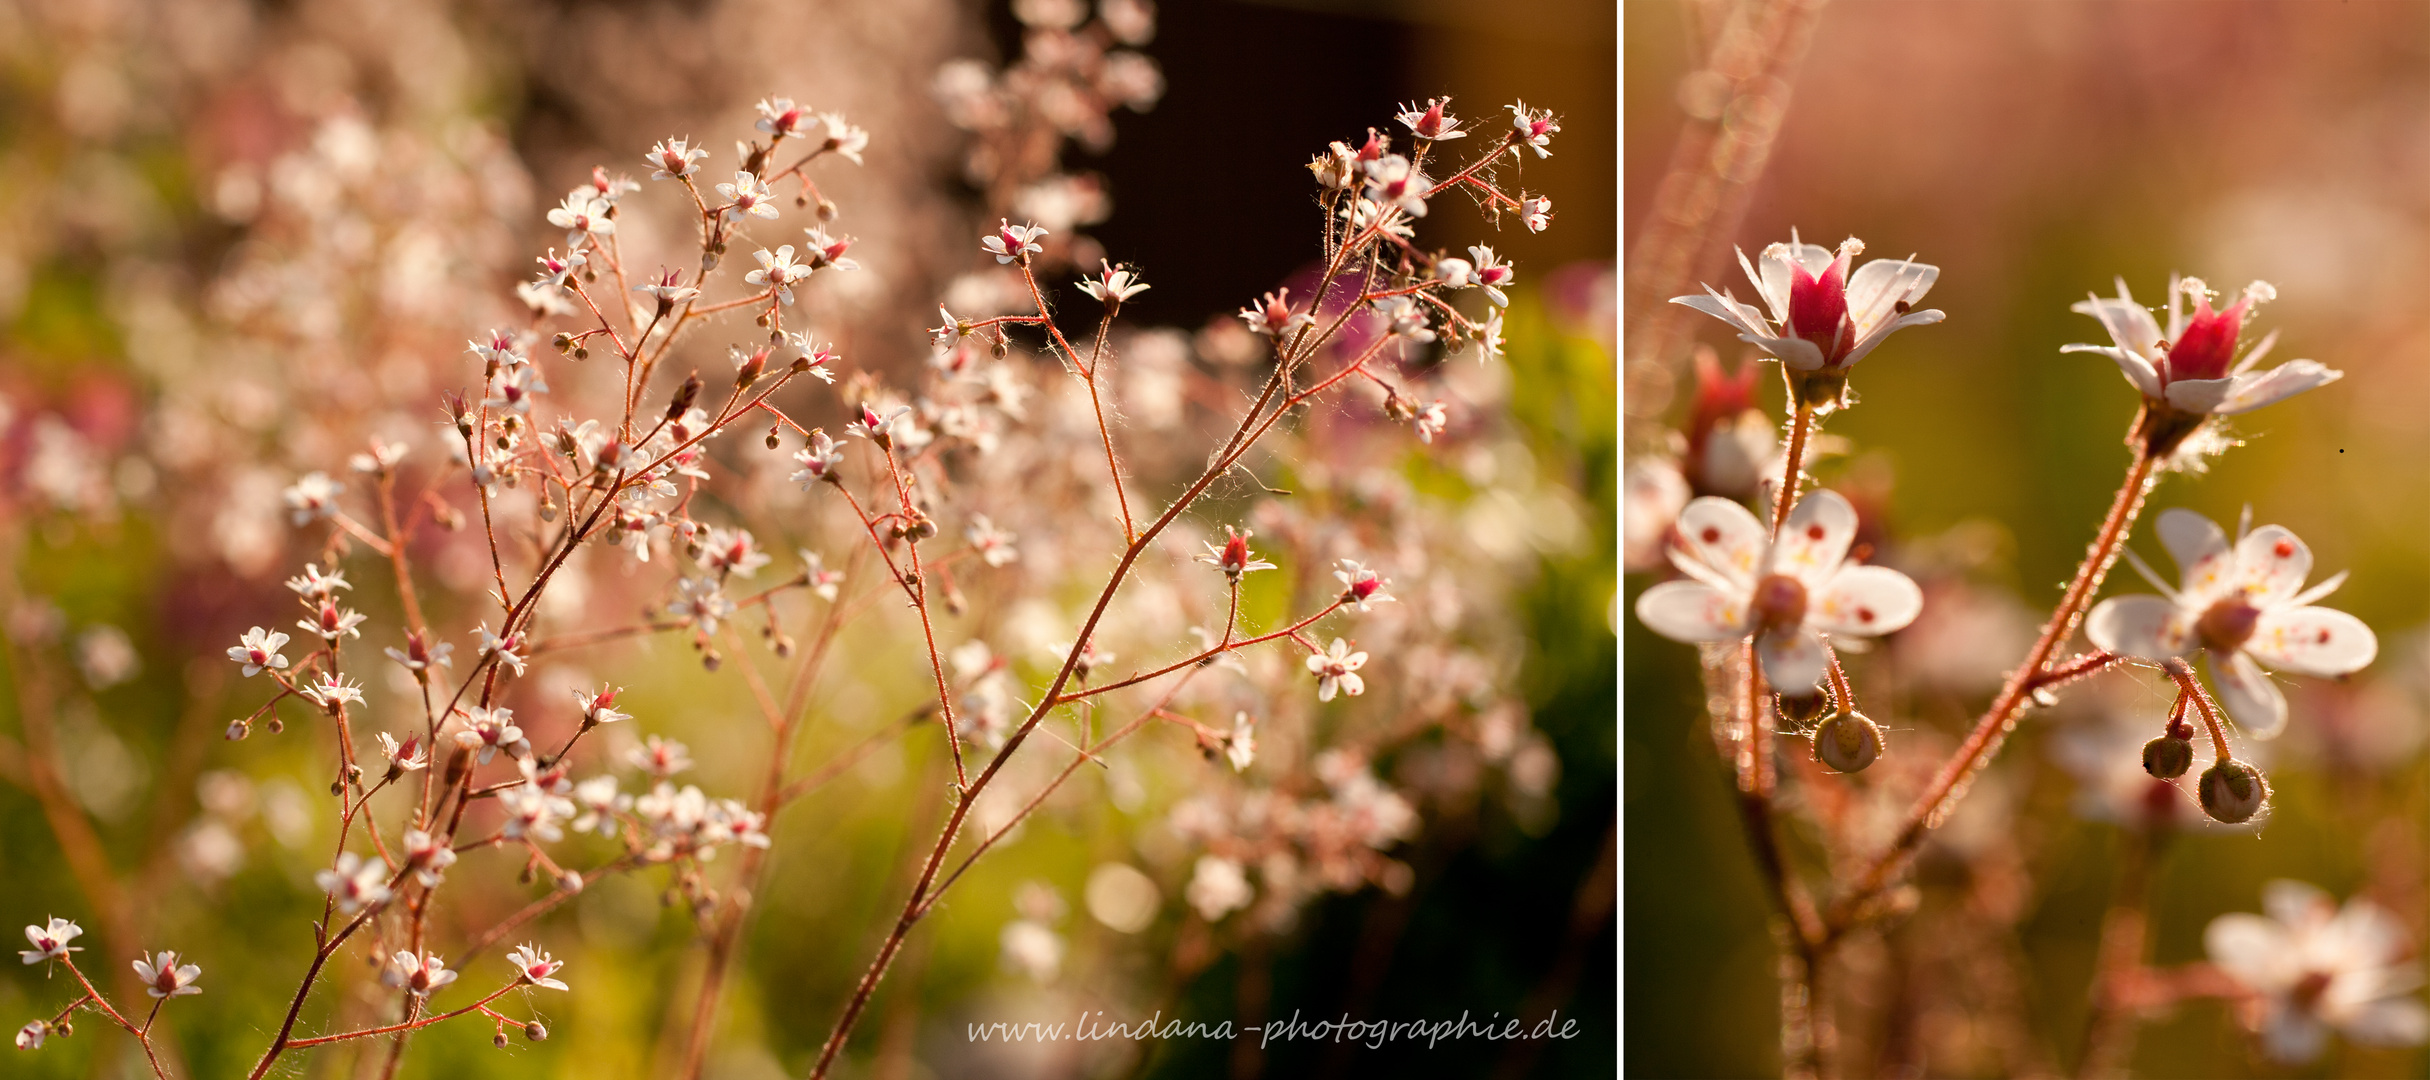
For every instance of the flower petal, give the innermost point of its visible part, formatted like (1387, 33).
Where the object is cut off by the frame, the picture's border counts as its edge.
(1723, 536)
(2313, 641)
(2399, 1021)
(1691, 611)
(1775, 293)
(1865, 600)
(2297, 905)
(2277, 384)
(2292, 1035)
(1796, 352)
(2198, 395)
(1815, 540)
(1876, 288)
(1727, 309)
(2271, 563)
(2129, 324)
(2248, 695)
(2140, 625)
(2251, 948)
(2196, 542)
(1865, 344)
(1792, 662)
(2139, 371)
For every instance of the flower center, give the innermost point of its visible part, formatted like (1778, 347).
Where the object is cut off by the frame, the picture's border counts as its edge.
(1778, 603)
(1818, 308)
(2308, 990)
(2228, 624)
(2208, 344)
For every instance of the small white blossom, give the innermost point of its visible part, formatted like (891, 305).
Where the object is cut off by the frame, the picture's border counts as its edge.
(2192, 368)
(701, 600)
(1361, 587)
(332, 692)
(332, 622)
(1534, 129)
(532, 813)
(598, 801)
(2313, 966)
(583, 215)
(1431, 122)
(31, 1035)
(429, 857)
(1234, 558)
(731, 551)
(164, 977)
(825, 252)
(50, 941)
(314, 585)
(674, 158)
(1405, 316)
(600, 708)
(2239, 604)
(1113, 285)
(419, 974)
(258, 650)
(1393, 182)
(420, 655)
(1273, 317)
(826, 583)
(818, 461)
(1430, 420)
(1822, 317)
(508, 650)
(1336, 670)
(1535, 212)
(355, 883)
(1011, 242)
(556, 270)
(1786, 594)
(994, 545)
(1218, 887)
(777, 271)
(311, 498)
(843, 138)
(406, 756)
(1491, 274)
(781, 117)
(747, 195)
(534, 966)
(489, 730)
(1240, 745)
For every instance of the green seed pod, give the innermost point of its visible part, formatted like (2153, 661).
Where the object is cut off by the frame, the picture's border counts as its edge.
(2168, 757)
(2233, 792)
(1848, 742)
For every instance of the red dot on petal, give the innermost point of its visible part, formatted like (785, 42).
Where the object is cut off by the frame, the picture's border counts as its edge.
(1864, 614)
(1711, 535)
(1814, 532)
(2284, 549)
(2323, 639)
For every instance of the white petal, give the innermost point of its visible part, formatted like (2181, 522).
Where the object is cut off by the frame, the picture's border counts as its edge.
(1774, 281)
(1865, 344)
(1876, 288)
(2390, 1022)
(1724, 536)
(2139, 371)
(1796, 352)
(2197, 543)
(2271, 563)
(1865, 600)
(2313, 641)
(2293, 1036)
(2198, 395)
(2277, 384)
(1792, 662)
(1727, 309)
(2129, 324)
(2251, 948)
(2140, 625)
(1815, 540)
(2297, 905)
(1691, 611)
(2248, 695)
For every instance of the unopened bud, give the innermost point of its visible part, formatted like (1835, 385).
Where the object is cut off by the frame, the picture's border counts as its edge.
(535, 1032)
(2233, 791)
(277, 725)
(684, 396)
(1800, 711)
(826, 209)
(582, 352)
(752, 366)
(2168, 757)
(773, 441)
(237, 729)
(500, 1040)
(1848, 742)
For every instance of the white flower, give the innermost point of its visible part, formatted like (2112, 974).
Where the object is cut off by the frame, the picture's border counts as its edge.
(674, 159)
(1273, 317)
(355, 882)
(843, 138)
(731, 551)
(419, 655)
(533, 966)
(1032, 947)
(1534, 128)
(50, 941)
(1234, 558)
(532, 813)
(313, 496)
(2192, 367)
(818, 461)
(2316, 967)
(826, 583)
(312, 584)
(1405, 316)
(600, 708)
(429, 856)
(822, 358)
(1360, 586)
(555, 270)
(1786, 594)
(406, 756)
(490, 730)
(701, 600)
(1431, 122)
(598, 799)
(746, 195)
(1430, 420)
(507, 649)
(1240, 744)
(825, 252)
(582, 215)
(1113, 285)
(1393, 182)
(512, 389)
(1652, 493)
(1218, 887)
(257, 650)
(660, 757)
(1336, 669)
(163, 977)
(994, 545)
(418, 974)
(1492, 274)
(31, 1035)
(1012, 241)
(1535, 212)
(781, 117)
(333, 622)
(1823, 318)
(777, 271)
(2238, 604)
(332, 692)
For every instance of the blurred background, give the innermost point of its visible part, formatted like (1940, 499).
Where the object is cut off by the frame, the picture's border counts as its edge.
(244, 233)
(2035, 151)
